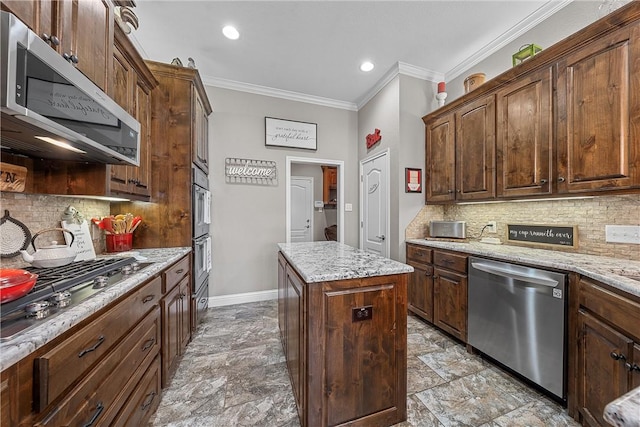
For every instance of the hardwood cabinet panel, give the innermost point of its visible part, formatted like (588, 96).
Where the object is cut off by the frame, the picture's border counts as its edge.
(450, 302)
(139, 409)
(451, 260)
(599, 112)
(329, 185)
(201, 132)
(295, 336)
(174, 274)
(420, 291)
(419, 253)
(601, 377)
(31, 12)
(282, 295)
(440, 160)
(475, 150)
(176, 318)
(525, 136)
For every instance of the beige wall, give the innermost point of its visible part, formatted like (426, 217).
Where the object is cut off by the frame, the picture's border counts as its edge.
(40, 212)
(589, 215)
(249, 220)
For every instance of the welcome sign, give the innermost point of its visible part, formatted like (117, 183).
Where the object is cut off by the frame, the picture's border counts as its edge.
(248, 171)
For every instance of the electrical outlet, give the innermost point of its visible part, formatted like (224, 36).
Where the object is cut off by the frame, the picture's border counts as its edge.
(622, 234)
(492, 227)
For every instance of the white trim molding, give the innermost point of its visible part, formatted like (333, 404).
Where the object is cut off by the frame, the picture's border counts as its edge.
(224, 300)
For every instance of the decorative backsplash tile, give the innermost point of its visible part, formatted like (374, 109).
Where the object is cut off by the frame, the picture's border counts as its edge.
(589, 215)
(39, 212)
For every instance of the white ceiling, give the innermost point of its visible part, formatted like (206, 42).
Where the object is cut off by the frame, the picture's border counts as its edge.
(313, 49)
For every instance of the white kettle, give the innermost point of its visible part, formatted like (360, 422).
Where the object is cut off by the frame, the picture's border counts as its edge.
(53, 255)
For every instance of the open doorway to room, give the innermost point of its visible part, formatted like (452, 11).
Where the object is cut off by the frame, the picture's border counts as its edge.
(327, 200)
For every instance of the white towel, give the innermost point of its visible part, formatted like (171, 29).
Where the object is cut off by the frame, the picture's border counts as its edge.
(208, 254)
(207, 207)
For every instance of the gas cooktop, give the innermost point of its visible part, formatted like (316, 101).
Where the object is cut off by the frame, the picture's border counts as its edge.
(59, 288)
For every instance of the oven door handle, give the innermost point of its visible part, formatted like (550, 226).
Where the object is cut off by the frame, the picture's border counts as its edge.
(503, 272)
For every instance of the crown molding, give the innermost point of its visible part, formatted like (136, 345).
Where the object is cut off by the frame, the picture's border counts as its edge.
(544, 12)
(277, 93)
(419, 73)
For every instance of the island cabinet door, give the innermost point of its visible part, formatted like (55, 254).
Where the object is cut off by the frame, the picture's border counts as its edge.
(295, 336)
(364, 356)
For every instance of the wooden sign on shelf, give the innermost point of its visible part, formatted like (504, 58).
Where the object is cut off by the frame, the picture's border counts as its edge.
(13, 177)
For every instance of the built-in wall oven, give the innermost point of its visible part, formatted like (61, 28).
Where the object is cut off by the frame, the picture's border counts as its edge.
(201, 199)
(517, 316)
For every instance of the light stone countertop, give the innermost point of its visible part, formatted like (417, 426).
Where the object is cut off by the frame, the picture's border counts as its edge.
(24, 343)
(327, 261)
(625, 410)
(615, 272)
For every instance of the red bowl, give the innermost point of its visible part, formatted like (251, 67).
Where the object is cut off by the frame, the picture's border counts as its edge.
(15, 283)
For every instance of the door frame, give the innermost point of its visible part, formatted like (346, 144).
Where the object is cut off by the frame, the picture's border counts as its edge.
(387, 154)
(312, 161)
(312, 230)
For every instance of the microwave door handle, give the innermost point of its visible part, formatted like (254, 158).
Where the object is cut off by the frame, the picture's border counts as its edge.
(491, 269)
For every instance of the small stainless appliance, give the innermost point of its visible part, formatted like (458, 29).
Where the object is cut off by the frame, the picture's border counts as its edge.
(58, 288)
(47, 104)
(449, 229)
(517, 316)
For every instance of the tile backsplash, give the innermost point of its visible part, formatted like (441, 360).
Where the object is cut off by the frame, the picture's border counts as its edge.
(39, 212)
(590, 215)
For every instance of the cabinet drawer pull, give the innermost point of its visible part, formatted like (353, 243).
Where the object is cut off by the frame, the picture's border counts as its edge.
(616, 356)
(180, 271)
(99, 409)
(203, 300)
(148, 343)
(148, 298)
(93, 348)
(148, 401)
(631, 367)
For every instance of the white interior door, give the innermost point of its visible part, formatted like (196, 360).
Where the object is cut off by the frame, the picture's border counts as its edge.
(301, 209)
(374, 195)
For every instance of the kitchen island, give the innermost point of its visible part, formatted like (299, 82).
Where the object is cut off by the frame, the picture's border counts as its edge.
(342, 315)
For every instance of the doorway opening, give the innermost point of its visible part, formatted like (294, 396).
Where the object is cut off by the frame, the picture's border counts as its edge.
(327, 199)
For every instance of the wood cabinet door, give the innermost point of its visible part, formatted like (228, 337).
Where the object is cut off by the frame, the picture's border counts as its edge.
(141, 175)
(78, 20)
(524, 136)
(420, 291)
(598, 114)
(440, 153)
(282, 293)
(120, 91)
(32, 13)
(450, 302)
(295, 336)
(475, 150)
(171, 340)
(201, 134)
(602, 376)
(185, 313)
(635, 366)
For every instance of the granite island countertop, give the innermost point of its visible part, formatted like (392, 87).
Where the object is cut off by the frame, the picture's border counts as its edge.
(22, 344)
(615, 272)
(327, 261)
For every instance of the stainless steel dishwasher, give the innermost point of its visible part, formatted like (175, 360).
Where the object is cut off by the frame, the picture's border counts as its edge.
(517, 316)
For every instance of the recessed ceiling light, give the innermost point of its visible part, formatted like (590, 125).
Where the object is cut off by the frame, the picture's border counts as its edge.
(230, 32)
(366, 66)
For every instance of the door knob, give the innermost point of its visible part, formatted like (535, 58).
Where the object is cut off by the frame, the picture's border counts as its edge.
(381, 238)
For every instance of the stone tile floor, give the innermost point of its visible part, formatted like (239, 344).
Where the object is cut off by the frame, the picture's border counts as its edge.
(234, 374)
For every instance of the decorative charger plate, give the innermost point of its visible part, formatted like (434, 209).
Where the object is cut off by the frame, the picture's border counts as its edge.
(14, 236)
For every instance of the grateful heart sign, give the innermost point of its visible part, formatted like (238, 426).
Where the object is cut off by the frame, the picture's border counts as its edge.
(373, 138)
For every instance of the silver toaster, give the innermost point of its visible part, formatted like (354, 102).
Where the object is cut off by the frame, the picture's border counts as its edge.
(450, 229)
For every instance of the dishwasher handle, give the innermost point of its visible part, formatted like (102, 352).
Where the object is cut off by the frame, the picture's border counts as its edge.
(492, 269)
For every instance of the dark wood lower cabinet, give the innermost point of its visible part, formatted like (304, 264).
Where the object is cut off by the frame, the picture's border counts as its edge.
(345, 368)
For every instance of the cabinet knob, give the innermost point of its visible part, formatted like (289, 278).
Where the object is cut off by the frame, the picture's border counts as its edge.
(616, 356)
(543, 181)
(70, 58)
(449, 191)
(427, 274)
(631, 367)
(561, 179)
(51, 39)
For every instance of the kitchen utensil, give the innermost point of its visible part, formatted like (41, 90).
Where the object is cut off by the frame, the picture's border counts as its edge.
(14, 236)
(53, 255)
(15, 283)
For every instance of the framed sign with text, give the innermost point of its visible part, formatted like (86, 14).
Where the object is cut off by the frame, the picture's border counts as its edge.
(289, 133)
(540, 234)
(413, 180)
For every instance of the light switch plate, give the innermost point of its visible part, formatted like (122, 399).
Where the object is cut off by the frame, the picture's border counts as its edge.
(348, 207)
(622, 234)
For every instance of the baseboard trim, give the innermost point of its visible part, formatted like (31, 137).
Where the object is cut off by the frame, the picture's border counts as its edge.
(223, 300)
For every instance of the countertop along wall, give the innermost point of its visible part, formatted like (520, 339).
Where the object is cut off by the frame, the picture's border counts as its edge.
(248, 220)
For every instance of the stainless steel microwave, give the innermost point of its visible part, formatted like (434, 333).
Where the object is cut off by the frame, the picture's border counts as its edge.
(51, 110)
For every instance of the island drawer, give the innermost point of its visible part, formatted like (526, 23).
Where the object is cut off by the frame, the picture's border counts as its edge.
(419, 253)
(175, 273)
(451, 260)
(146, 398)
(64, 364)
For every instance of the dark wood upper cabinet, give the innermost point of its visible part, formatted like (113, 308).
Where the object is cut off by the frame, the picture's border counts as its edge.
(599, 114)
(564, 122)
(475, 150)
(525, 136)
(441, 159)
(81, 31)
